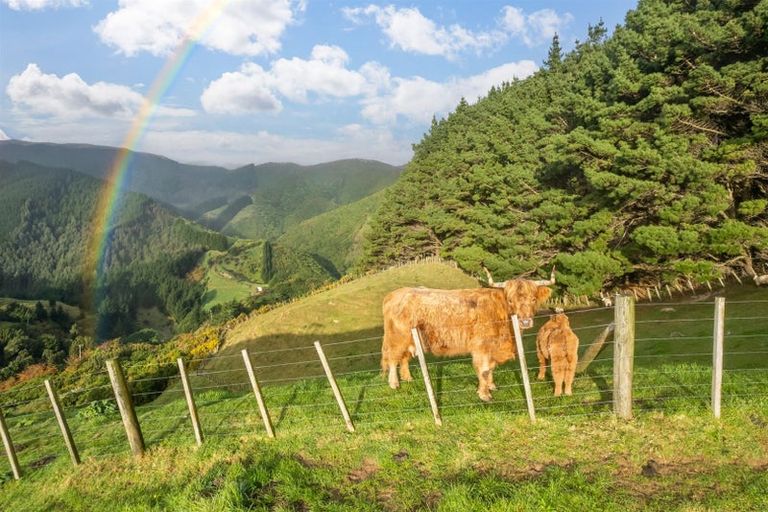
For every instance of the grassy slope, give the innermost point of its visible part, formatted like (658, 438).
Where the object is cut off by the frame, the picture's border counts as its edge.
(335, 236)
(486, 457)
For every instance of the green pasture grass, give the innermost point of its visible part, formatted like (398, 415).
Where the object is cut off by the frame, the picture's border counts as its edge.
(673, 455)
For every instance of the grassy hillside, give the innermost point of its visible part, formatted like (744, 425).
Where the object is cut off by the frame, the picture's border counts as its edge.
(284, 195)
(673, 456)
(336, 236)
(281, 272)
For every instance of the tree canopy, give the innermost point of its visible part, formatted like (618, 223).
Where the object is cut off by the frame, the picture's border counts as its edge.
(642, 156)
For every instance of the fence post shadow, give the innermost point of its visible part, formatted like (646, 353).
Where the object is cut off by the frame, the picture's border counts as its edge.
(605, 390)
(359, 401)
(439, 385)
(284, 410)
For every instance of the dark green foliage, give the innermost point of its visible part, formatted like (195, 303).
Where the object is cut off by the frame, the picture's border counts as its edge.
(45, 228)
(636, 157)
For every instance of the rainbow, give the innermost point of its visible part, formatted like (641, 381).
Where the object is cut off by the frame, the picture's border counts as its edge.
(109, 198)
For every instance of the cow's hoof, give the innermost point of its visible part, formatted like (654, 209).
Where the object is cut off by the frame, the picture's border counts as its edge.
(485, 397)
(540, 377)
(492, 387)
(394, 385)
(407, 379)
(569, 393)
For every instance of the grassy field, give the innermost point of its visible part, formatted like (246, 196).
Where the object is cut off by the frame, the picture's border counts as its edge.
(673, 456)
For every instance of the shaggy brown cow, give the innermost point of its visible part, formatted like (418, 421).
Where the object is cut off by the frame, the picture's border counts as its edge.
(455, 322)
(557, 342)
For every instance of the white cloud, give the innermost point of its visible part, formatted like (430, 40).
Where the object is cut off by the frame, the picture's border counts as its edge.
(418, 99)
(70, 97)
(37, 5)
(536, 28)
(234, 149)
(239, 27)
(254, 89)
(411, 31)
(3, 135)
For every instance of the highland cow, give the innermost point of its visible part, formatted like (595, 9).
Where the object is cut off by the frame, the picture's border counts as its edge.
(456, 322)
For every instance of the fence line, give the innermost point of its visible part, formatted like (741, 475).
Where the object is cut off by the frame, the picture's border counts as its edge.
(245, 417)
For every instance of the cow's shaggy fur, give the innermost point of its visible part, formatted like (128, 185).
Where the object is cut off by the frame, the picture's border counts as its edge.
(557, 343)
(455, 322)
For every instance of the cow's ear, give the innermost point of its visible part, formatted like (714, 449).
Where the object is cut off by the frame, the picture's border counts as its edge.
(542, 294)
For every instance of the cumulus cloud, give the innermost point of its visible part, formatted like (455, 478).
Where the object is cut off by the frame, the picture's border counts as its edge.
(37, 5)
(70, 97)
(240, 27)
(535, 28)
(411, 31)
(325, 74)
(418, 99)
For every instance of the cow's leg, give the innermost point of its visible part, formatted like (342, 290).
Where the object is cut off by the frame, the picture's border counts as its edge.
(405, 372)
(393, 382)
(558, 375)
(542, 361)
(491, 384)
(570, 373)
(482, 368)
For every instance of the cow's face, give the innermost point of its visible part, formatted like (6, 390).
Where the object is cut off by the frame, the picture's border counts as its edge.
(524, 298)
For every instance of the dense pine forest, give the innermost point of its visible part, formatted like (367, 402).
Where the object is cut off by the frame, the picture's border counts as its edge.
(642, 156)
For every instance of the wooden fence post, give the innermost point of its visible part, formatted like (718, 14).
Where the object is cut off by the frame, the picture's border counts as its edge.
(62, 421)
(425, 374)
(10, 451)
(257, 391)
(623, 355)
(717, 355)
(523, 368)
(190, 402)
(334, 387)
(125, 404)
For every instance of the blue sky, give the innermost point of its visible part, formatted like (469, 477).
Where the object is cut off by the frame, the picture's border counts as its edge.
(271, 80)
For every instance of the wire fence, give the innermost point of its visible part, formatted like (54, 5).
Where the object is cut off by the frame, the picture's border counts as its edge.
(673, 371)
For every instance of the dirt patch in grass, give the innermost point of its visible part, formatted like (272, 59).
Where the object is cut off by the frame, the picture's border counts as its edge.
(369, 468)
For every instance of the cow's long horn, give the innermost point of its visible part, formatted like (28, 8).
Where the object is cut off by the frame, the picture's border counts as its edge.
(491, 282)
(547, 282)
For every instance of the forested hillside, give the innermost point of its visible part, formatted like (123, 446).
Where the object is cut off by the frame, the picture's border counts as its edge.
(253, 201)
(336, 237)
(280, 196)
(45, 219)
(642, 156)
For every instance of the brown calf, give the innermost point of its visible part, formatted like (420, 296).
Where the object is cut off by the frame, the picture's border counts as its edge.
(557, 342)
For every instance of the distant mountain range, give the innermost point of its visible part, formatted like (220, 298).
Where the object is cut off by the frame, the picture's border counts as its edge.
(254, 201)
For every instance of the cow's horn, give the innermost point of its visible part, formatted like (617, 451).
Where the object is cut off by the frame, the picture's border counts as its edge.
(547, 282)
(491, 282)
